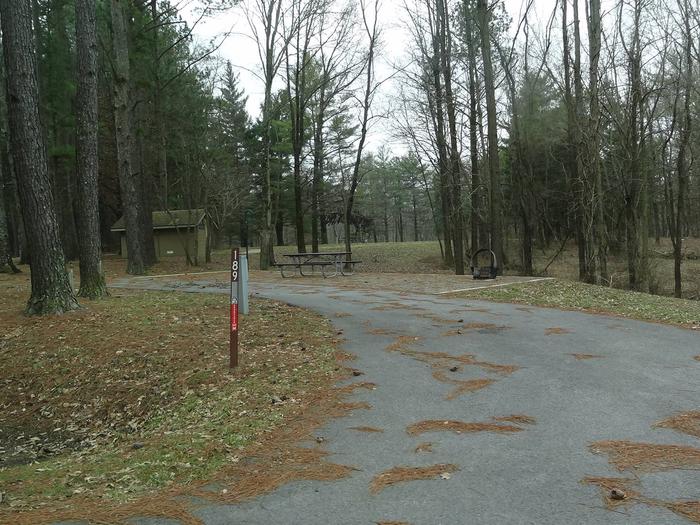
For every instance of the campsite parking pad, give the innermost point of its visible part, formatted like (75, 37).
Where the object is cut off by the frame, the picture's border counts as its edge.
(541, 385)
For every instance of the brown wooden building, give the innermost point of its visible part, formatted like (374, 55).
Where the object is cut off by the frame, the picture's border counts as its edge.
(173, 231)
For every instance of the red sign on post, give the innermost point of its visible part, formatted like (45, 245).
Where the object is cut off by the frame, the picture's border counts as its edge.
(235, 271)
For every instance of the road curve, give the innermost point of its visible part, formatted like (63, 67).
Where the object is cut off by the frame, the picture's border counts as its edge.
(570, 379)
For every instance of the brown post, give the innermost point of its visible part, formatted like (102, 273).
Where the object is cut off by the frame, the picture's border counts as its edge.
(235, 271)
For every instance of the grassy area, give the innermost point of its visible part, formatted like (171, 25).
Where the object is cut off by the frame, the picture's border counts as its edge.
(578, 296)
(424, 257)
(132, 393)
(407, 257)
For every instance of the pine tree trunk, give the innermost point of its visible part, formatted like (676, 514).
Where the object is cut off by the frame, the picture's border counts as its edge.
(324, 229)
(6, 263)
(51, 290)
(92, 281)
(129, 182)
(495, 206)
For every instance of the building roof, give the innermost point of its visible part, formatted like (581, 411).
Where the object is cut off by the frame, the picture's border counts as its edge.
(168, 220)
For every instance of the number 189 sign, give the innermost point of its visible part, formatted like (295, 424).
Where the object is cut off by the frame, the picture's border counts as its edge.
(235, 271)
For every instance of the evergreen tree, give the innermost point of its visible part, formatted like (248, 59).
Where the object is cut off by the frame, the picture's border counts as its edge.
(51, 290)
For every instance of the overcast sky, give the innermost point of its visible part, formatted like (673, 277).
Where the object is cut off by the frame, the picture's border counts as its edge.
(241, 50)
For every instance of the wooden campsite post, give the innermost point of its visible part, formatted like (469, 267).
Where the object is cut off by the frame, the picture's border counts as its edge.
(235, 273)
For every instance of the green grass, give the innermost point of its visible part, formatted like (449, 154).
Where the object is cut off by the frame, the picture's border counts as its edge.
(598, 299)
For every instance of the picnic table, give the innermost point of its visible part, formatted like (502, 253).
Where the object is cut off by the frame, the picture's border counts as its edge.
(322, 260)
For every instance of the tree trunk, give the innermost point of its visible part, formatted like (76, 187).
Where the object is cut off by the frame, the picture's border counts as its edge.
(373, 35)
(317, 180)
(518, 169)
(51, 290)
(495, 206)
(635, 198)
(476, 223)
(682, 168)
(415, 215)
(437, 108)
(6, 263)
(298, 210)
(92, 281)
(279, 229)
(146, 191)
(266, 245)
(129, 182)
(457, 215)
(324, 229)
(596, 176)
(578, 173)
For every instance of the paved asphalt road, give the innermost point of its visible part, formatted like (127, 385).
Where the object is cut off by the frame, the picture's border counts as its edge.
(644, 373)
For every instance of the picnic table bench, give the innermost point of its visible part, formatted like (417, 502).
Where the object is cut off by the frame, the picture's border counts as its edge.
(322, 260)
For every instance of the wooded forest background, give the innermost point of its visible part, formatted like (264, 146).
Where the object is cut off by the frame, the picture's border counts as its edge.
(518, 135)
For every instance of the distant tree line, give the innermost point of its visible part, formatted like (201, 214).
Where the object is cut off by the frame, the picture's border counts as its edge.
(518, 135)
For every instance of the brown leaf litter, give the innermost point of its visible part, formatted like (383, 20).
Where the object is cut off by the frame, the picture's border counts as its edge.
(686, 422)
(484, 311)
(688, 509)
(381, 331)
(367, 429)
(617, 492)
(423, 447)
(442, 361)
(612, 488)
(437, 319)
(490, 327)
(647, 457)
(462, 386)
(556, 330)
(276, 459)
(350, 388)
(342, 355)
(583, 357)
(356, 405)
(521, 419)
(401, 341)
(395, 305)
(458, 427)
(403, 474)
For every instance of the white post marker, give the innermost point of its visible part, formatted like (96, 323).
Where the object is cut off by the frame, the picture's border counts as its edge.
(243, 287)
